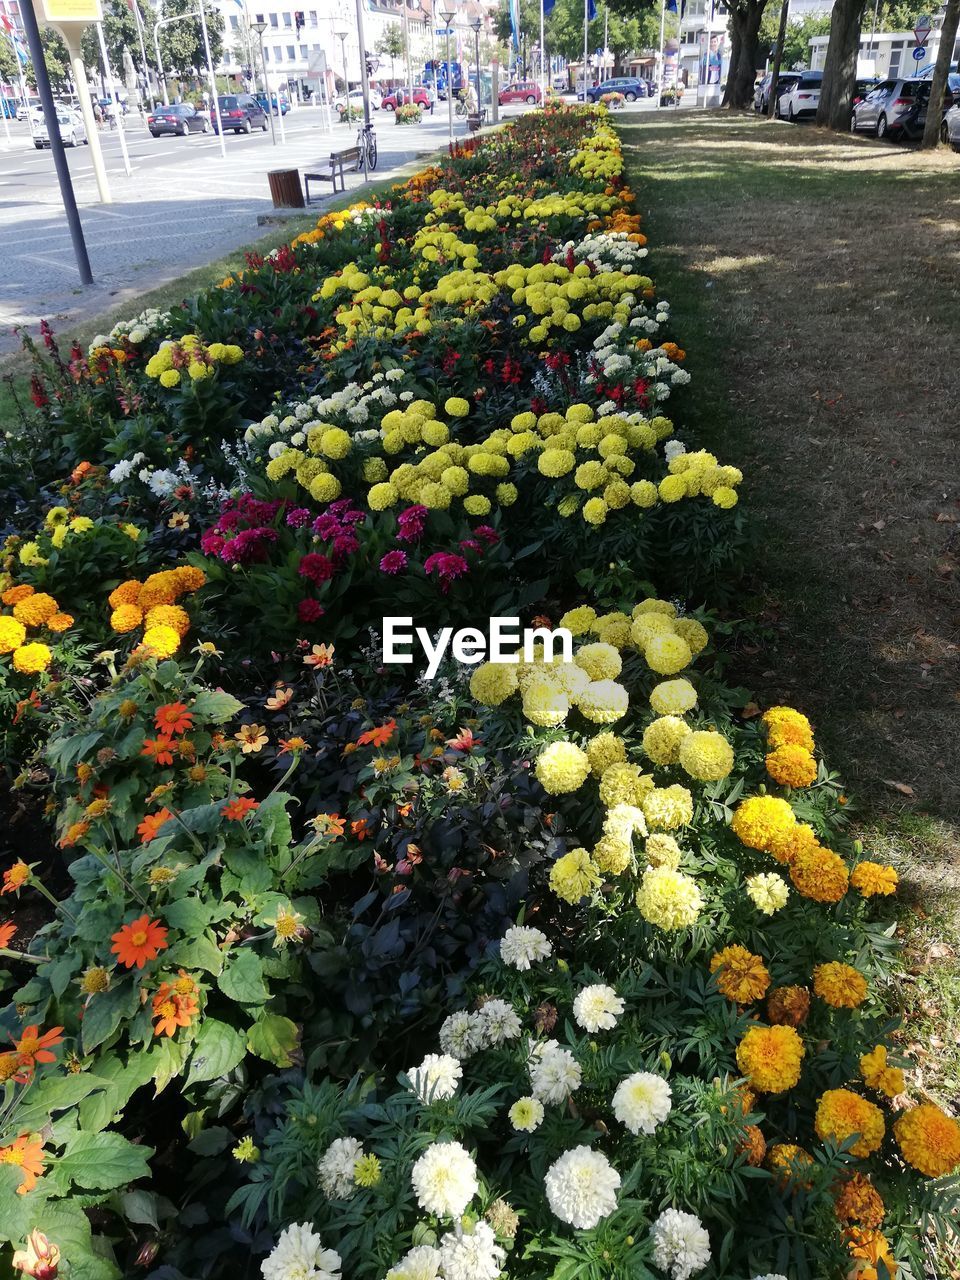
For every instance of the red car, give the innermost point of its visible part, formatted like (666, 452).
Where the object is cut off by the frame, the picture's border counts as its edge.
(520, 91)
(397, 97)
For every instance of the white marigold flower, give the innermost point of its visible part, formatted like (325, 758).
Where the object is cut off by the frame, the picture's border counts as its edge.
(642, 1102)
(499, 1022)
(473, 1256)
(597, 1008)
(462, 1034)
(445, 1179)
(437, 1077)
(554, 1075)
(681, 1246)
(770, 1276)
(768, 892)
(421, 1263)
(521, 945)
(336, 1167)
(299, 1255)
(526, 1114)
(303, 412)
(298, 439)
(673, 448)
(582, 1187)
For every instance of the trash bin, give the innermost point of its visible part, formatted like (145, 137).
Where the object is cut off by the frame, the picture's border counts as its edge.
(285, 188)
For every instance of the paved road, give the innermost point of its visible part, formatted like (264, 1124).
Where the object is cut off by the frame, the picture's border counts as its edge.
(183, 206)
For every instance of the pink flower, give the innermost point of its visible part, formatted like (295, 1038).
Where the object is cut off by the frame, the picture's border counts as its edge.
(309, 611)
(411, 523)
(316, 568)
(393, 562)
(447, 567)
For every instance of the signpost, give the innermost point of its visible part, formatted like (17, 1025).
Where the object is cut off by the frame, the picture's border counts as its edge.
(921, 33)
(919, 54)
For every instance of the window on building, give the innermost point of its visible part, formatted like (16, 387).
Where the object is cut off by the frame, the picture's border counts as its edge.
(291, 53)
(259, 17)
(278, 54)
(312, 17)
(288, 19)
(274, 20)
(266, 54)
(304, 51)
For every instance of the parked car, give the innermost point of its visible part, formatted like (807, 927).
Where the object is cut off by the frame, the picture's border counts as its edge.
(240, 112)
(284, 104)
(761, 94)
(519, 91)
(26, 111)
(883, 109)
(927, 72)
(179, 118)
(950, 129)
(72, 131)
(801, 100)
(913, 121)
(355, 98)
(631, 88)
(560, 84)
(862, 87)
(422, 97)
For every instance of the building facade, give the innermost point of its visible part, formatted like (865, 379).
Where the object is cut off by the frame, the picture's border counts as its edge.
(887, 54)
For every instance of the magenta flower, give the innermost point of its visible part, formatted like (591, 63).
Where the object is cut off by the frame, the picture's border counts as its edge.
(316, 568)
(447, 567)
(411, 523)
(393, 562)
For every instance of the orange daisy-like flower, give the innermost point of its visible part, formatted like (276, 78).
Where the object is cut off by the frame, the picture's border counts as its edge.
(73, 834)
(172, 1010)
(151, 824)
(289, 745)
(320, 656)
(26, 1153)
(360, 829)
(139, 941)
(15, 877)
(173, 718)
(379, 736)
(236, 810)
(329, 824)
(6, 934)
(252, 738)
(158, 749)
(279, 698)
(33, 1048)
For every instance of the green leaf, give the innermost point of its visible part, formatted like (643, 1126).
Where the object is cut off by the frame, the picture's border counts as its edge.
(101, 1161)
(167, 1059)
(63, 1221)
(216, 706)
(274, 822)
(140, 1207)
(196, 953)
(242, 980)
(189, 915)
(57, 1093)
(210, 1142)
(219, 1048)
(97, 1112)
(104, 1012)
(274, 1038)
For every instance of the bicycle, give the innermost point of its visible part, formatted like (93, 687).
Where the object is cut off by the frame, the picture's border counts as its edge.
(367, 146)
(460, 107)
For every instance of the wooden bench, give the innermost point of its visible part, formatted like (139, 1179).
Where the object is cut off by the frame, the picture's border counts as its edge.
(334, 169)
(475, 120)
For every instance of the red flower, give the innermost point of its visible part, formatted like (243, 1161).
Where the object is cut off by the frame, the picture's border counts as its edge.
(309, 611)
(316, 568)
(158, 749)
(173, 718)
(236, 810)
(378, 736)
(152, 823)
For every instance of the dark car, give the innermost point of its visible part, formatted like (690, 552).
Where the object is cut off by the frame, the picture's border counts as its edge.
(761, 94)
(179, 118)
(631, 88)
(240, 112)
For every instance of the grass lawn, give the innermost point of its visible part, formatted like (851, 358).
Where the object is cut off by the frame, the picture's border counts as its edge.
(815, 280)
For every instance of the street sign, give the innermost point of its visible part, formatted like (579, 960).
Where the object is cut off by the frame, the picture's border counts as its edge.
(921, 32)
(919, 54)
(84, 11)
(443, 31)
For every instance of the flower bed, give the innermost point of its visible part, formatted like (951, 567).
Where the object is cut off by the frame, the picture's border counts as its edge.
(530, 969)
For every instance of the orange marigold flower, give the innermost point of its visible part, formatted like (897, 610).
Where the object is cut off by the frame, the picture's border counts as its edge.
(279, 698)
(125, 618)
(15, 877)
(173, 718)
(929, 1140)
(60, 622)
(189, 578)
(252, 738)
(770, 1058)
(152, 823)
(843, 1114)
(878, 1075)
(13, 595)
(127, 593)
(840, 985)
(139, 941)
(791, 766)
(873, 878)
(236, 810)
(741, 975)
(792, 843)
(172, 1010)
(36, 609)
(26, 1153)
(788, 1163)
(857, 1200)
(379, 736)
(787, 727)
(872, 1247)
(820, 874)
(158, 749)
(788, 1006)
(169, 615)
(752, 1145)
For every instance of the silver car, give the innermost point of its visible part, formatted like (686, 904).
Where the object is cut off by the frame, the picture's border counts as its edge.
(883, 110)
(950, 129)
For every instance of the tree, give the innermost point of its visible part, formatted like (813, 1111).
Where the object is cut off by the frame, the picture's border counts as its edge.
(120, 33)
(9, 62)
(796, 45)
(840, 65)
(393, 46)
(948, 38)
(903, 15)
(745, 19)
(181, 43)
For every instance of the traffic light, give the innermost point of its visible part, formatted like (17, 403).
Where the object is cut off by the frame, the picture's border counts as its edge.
(370, 67)
(299, 20)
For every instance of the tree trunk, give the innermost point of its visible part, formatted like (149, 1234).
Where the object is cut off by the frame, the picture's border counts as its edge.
(948, 38)
(734, 61)
(777, 59)
(745, 19)
(840, 65)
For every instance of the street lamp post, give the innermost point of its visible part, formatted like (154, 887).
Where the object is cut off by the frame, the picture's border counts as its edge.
(260, 28)
(342, 37)
(448, 15)
(477, 24)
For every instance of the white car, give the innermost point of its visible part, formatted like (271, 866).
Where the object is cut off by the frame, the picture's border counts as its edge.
(950, 129)
(72, 131)
(355, 98)
(801, 99)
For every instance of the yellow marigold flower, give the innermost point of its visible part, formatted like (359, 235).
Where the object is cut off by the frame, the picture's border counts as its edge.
(246, 1151)
(36, 609)
(694, 632)
(759, 820)
(673, 697)
(741, 975)
(456, 407)
(929, 1140)
(612, 853)
(573, 876)
(878, 1075)
(770, 1058)
(706, 755)
(562, 767)
(169, 615)
(669, 899)
(603, 701)
(788, 1006)
(12, 634)
(788, 1163)
(170, 378)
(841, 1113)
(30, 659)
(579, 620)
(662, 850)
(55, 516)
(125, 618)
(493, 682)
(752, 1145)
(820, 874)
(791, 766)
(366, 1170)
(161, 641)
(544, 702)
(768, 892)
(857, 1200)
(872, 878)
(600, 661)
(604, 750)
(666, 808)
(785, 726)
(667, 654)
(840, 985)
(127, 593)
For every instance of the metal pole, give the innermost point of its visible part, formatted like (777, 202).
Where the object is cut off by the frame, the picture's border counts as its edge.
(266, 85)
(663, 18)
(56, 142)
(365, 86)
(283, 133)
(143, 49)
(86, 110)
(543, 79)
(112, 89)
(406, 46)
(586, 23)
(221, 132)
(160, 72)
(449, 90)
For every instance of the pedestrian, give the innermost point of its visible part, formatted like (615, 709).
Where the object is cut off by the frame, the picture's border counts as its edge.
(98, 114)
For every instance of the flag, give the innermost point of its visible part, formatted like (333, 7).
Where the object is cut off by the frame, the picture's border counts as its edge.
(548, 6)
(591, 10)
(671, 6)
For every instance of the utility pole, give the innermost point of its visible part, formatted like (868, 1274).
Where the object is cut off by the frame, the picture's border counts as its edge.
(221, 132)
(777, 59)
(115, 98)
